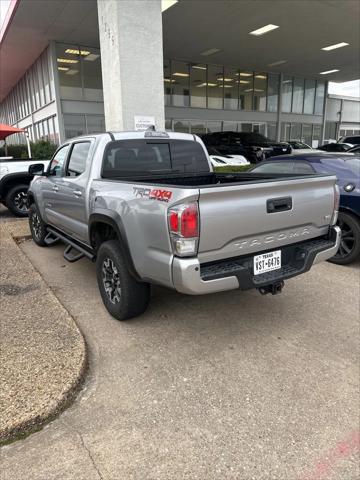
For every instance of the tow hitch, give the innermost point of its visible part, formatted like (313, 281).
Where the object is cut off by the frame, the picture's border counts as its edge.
(274, 288)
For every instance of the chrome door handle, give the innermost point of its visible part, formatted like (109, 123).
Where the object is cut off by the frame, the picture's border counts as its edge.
(77, 193)
(55, 188)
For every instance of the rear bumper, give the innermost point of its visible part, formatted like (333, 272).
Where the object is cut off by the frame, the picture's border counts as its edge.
(193, 278)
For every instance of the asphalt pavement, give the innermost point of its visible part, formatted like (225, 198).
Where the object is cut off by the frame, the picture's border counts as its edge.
(227, 386)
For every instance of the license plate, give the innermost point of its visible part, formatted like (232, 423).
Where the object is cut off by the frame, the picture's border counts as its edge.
(267, 262)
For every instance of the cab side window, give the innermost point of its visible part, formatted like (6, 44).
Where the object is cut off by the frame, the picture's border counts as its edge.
(56, 167)
(78, 159)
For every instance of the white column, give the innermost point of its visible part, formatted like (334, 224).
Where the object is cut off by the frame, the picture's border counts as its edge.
(132, 61)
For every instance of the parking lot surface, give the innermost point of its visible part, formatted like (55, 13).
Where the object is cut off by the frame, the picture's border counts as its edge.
(226, 386)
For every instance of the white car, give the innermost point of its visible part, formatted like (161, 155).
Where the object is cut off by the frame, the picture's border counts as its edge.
(221, 160)
(301, 147)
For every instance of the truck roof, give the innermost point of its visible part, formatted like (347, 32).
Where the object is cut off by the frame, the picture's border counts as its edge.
(133, 135)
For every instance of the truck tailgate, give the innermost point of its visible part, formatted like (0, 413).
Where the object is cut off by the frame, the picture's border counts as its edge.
(243, 219)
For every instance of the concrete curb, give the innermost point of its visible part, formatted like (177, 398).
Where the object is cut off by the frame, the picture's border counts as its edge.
(43, 356)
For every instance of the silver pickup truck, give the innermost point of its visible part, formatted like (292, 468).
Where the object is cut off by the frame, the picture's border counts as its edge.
(148, 208)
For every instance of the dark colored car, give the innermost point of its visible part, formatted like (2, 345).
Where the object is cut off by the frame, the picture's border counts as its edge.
(253, 146)
(355, 149)
(352, 139)
(335, 147)
(347, 170)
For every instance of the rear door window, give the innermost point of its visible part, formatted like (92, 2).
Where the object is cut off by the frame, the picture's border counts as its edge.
(78, 159)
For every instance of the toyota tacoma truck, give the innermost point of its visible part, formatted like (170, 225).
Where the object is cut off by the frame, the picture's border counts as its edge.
(148, 209)
(14, 183)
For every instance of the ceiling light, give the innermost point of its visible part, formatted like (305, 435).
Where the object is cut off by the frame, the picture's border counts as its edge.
(208, 84)
(275, 64)
(211, 51)
(180, 74)
(258, 90)
(221, 79)
(72, 72)
(165, 4)
(63, 69)
(245, 82)
(263, 30)
(168, 80)
(199, 67)
(248, 90)
(91, 57)
(333, 47)
(329, 71)
(244, 74)
(74, 51)
(67, 60)
(228, 86)
(262, 77)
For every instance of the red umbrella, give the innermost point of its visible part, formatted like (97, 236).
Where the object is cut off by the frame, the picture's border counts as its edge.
(6, 130)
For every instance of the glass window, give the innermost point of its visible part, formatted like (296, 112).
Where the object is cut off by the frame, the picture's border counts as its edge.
(309, 96)
(198, 86)
(188, 156)
(295, 131)
(68, 68)
(78, 158)
(298, 95)
(303, 168)
(285, 131)
(230, 126)
(168, 124)
(271, 131)
(58, 161)
(95, 123)
(215, 86)
(75, 125)
(306, 134)
(231, 88)
(213, 126)
(181, 126)
(275, 167)
(316, 138)
(245, 127)
(319, 99)
(180, 84)
(197, 127)
(273, 92)
(287, 85)
(260, 88)
(40, 82)
(91, 70)
(167, 82)
(330, 131)
(245, 91)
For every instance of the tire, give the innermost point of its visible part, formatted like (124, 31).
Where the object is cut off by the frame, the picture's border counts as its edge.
(16, 200)
(123, 296)
(37, 226)
(349, 249)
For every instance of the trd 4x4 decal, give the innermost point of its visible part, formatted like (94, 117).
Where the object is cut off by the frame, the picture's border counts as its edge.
(153, 194)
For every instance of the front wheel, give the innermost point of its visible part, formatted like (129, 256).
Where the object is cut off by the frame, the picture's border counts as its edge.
(37, 226)
(123, 296)
(349, 249)
(16, 200)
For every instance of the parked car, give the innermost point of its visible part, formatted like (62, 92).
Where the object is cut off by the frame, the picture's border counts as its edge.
(300, 147)
(253, 146)
(14, 183)
(148, 208)
(355, 149)
(335, 147)
(219, 160)
(347, 170)
(351, 140)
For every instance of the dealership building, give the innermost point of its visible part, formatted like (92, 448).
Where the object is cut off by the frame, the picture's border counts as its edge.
(71, 67)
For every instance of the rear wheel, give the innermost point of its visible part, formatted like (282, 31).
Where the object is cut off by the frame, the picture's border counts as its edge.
(37, 226)
(16, 200)
(123, 296)
(349, 249)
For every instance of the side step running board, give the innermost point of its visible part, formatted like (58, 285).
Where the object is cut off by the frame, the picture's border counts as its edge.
(74, 251)
(50, 239)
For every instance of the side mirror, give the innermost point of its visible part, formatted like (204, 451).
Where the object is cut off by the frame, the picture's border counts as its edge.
(36, 169)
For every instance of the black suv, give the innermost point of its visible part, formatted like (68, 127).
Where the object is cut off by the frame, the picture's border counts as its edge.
(253, 146)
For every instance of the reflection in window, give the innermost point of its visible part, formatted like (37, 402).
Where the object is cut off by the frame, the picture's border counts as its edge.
(197, 127)
(168, 124)
(180, 84)
(198, 86)
(316, 138)
(245, 90)
(231, 88)
(215, 86)
(167, 82)
(181, 126)
(306, 134)
(295, 131)
(319, 99)
(75, 125)
(287, 84)
(260, 87)
(309, 96)
(298, 95)
(230, 127)
(213, 126)
(271, 131)
(285, 131)
(95, 124)
(273, 91)
(91, 70)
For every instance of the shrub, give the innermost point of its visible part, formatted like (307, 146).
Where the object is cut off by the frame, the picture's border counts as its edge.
(232, 168)
(40, 150)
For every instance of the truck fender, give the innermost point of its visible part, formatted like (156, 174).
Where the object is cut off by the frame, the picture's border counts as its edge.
(113, 219)
(12, 179)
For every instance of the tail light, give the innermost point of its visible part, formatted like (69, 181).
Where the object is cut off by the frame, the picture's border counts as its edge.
(336, 205)
(184, 229)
